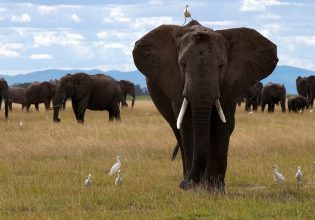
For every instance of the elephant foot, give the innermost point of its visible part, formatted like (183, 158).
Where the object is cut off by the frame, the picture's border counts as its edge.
(187, 184)
(56, 120)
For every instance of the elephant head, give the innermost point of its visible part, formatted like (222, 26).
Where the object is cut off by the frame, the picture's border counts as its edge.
(302, 86)
(205, 70)
(127, 87)
(76, 86)
(4, 91)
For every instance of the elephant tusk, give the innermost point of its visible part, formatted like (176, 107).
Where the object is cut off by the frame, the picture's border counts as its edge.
(220, 111)
(181, 113)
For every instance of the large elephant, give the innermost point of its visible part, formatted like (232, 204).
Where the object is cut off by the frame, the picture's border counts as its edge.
(253, 97)
(127, 87)
(17, 95)
(306, 87)
(298, 103)
(194, 75)
(37, 93)
(94, 92)
(4, 92)
(272, 94)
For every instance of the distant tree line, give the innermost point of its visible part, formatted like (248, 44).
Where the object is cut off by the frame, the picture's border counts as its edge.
(23, 85)
(141, 91)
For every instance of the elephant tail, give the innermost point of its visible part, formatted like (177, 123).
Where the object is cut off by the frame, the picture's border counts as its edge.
(175, 151)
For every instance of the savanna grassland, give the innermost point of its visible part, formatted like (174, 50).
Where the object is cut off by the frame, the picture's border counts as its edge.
(43, 166)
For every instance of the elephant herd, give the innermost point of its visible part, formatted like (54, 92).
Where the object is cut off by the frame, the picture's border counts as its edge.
(195, 76)
(94, 92)
(272, 94)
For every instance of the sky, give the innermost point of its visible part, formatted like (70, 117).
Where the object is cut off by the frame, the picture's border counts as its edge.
(93, 34)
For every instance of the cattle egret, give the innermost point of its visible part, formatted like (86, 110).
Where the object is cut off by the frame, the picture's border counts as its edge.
(187, 13)
(88, 181)
(278, 177)
(119, 179)
(311, 110)
(21, 123)
(298, 176)
(115, 167)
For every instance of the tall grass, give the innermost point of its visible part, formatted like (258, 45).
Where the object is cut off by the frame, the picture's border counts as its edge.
(43, 166)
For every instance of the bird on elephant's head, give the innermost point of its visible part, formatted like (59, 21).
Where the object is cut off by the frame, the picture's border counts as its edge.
(207, 70)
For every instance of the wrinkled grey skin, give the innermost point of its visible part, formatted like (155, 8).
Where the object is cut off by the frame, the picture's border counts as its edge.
(271, 95)
(17, 95)
(306, 87)
(37, 93)
(202, 65)
(4, 92)
(93, 92)
(252, 97)
(298, 103)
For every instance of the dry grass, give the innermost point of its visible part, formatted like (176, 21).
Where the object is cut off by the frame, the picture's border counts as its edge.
(43, 166)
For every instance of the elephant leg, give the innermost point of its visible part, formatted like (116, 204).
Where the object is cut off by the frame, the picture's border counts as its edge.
(167, 110)
(247, 106)
(217, 158)
(47, 105)
(28, 105)
(36, 107)
(263, 105)
(10, 106)
(81, 110)
(75, 109)
(269, 107)
(117, 113)
(111, 115)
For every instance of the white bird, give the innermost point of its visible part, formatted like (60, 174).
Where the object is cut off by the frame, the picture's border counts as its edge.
(311, 110)
(278, 177)
(88, 181)
(21, 123)
(299, 175)
(118, 180)
(116, 167)
(187, 13)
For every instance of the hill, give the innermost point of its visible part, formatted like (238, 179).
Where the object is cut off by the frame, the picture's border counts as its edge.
(282, 74)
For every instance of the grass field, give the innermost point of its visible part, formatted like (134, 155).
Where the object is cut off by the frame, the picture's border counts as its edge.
(43, 166)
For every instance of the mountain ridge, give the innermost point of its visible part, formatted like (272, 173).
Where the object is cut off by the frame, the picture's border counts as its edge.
(282, 74)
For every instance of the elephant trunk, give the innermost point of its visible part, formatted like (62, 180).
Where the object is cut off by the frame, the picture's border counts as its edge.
(56, 114)
(60, 98)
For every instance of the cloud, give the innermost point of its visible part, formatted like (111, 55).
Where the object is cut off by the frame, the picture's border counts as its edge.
(40, 56)
(268, 29)
(102, 35)
(308, 40)
(3, 9)
(57, 38)
(44, 9)
(23, 18)
(115, 15)
(217, 23)
(150, 22)
(75, 18)
(260, 5)
(9, 50)
(297, 62)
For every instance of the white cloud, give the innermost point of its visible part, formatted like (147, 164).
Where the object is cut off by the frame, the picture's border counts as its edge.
(301, 63)
(3, 9)
(75, 18)
(217, 23)
(57, 38)
(7, 50)
(260, 5)
(44, 9)
(115, 14)
(268, 29)
(309, 40)
(156, 2)
(150, 22)
(23, 18)
(40, 56)
(102, 35)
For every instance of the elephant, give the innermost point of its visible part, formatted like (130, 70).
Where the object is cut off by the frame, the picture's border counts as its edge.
(37, 93)
(17, 95)
(306, 87)
(127, 87)
(273, 93)
(4, 92)
(298, 103)
(253, 97)
(94, 92)
(194, 75)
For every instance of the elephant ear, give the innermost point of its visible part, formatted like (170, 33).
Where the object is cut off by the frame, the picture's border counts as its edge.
(155, 55)
(83, 86)
(251, 57)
